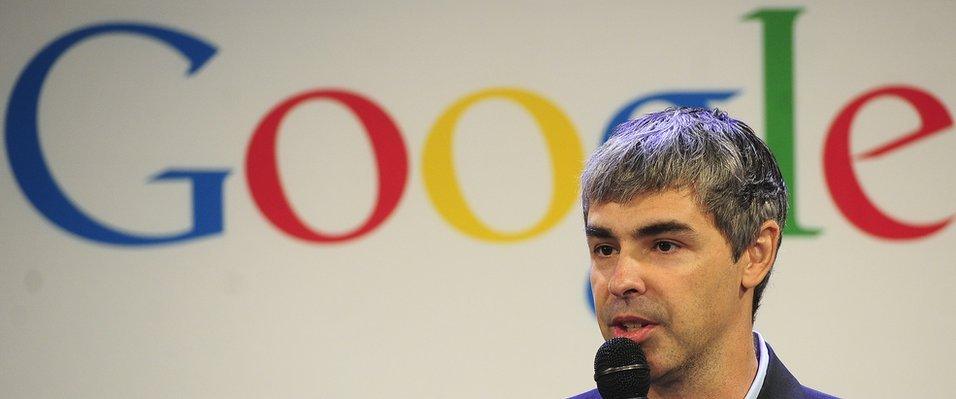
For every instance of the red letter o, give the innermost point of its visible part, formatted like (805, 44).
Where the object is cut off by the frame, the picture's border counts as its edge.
(262, 172)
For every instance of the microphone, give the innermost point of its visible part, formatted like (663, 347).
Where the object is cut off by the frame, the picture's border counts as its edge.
(621, 370)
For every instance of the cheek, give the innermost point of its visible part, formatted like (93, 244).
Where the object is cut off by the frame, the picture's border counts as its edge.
(726, 285)
(598, 286)
(688, 299)
(710, 297)
(600, 292)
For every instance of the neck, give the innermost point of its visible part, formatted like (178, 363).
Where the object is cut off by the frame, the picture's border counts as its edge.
(726, 372)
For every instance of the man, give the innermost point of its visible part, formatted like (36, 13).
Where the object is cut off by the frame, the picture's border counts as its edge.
(684, 210)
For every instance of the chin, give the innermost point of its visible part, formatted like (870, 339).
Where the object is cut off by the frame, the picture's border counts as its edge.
(660, 367)
(656, 370)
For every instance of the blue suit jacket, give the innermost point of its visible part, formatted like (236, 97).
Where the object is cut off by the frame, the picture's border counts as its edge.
(778, 384)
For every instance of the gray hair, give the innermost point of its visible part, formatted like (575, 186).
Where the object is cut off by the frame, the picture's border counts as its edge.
(731, 172)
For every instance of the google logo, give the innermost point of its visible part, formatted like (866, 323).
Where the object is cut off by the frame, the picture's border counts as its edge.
(35, 180)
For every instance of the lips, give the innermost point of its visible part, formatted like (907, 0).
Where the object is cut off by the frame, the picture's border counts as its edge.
(635, 328)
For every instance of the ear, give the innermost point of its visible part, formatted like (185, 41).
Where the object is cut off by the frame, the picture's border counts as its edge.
(761, 254)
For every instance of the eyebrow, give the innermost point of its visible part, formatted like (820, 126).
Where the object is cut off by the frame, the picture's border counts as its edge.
(598, 232)
(671, 226)
(653, 229)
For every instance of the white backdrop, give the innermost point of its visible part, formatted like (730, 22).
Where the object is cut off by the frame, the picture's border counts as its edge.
(419, 308)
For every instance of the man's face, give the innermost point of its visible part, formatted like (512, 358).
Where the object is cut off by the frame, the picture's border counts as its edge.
(664, 276)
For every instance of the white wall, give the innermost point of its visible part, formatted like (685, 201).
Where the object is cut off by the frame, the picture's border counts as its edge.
(417, 308)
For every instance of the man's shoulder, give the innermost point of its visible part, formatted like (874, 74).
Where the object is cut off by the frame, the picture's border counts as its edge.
(809, 393)
(815, 394)
(592, 394)
(779, 383)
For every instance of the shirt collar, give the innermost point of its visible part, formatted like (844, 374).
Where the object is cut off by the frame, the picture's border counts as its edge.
(763, 360)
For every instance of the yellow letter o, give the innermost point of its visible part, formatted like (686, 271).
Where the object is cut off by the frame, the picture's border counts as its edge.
(564, 148)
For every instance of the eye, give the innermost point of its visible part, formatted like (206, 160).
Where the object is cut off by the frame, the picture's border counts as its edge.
(665, 246)
(604, 250)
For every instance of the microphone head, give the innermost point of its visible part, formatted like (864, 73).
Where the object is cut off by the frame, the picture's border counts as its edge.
(621, 370)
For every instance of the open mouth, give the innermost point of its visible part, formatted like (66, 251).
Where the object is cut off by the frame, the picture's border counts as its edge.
(632, 325)
(633, 328)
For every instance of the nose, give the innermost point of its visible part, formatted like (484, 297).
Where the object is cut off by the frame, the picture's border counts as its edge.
(627, 278)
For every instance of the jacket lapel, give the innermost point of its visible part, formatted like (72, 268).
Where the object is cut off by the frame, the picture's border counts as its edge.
(779, 383)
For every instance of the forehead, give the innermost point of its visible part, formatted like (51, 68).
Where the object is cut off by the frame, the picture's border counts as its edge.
(678, 205)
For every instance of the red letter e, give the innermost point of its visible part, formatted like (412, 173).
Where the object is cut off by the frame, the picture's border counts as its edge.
(842, 180)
